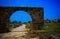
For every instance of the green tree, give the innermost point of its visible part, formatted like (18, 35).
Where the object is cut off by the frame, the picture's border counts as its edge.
(57, 29)
(29, 21)
(20, 23)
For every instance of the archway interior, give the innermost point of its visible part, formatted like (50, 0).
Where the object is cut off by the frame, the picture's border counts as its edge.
(20, 16)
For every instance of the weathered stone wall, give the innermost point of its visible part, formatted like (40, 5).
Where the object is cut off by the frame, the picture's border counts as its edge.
(36, 14)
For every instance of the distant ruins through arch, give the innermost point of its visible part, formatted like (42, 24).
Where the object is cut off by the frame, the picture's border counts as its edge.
(35, 12)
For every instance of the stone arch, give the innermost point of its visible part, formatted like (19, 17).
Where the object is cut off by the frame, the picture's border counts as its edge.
(36, 14)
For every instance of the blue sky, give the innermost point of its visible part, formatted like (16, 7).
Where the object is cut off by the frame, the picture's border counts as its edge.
(51, 7)
(20, 16)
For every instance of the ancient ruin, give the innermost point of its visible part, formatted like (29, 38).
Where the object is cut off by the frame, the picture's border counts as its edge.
(35, 12)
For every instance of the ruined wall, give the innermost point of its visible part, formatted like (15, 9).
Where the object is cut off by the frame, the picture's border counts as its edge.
(36, 14)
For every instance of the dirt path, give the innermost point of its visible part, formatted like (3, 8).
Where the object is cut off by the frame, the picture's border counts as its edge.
(16, 33)
(19, 29)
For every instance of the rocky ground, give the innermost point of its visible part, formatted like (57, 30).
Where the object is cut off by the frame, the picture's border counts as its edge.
(16, 33)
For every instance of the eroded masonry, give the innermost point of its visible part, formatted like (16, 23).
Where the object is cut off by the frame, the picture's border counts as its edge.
(35, 13)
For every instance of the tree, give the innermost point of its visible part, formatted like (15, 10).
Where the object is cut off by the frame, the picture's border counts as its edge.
(58, 20)
(29, 21)
(20, 23)
(58, 26)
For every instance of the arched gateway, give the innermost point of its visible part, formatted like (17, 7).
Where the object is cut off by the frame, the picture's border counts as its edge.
(36, 14)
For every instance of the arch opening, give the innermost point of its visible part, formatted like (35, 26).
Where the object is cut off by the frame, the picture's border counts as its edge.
(20, 16)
